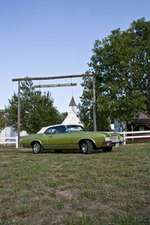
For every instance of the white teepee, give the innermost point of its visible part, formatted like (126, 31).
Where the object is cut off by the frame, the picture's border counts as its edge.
(72, 117)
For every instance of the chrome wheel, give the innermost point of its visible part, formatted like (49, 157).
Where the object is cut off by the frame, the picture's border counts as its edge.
(86, 147)
(36, 148)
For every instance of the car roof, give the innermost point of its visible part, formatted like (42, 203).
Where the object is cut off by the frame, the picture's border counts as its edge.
(43, 129)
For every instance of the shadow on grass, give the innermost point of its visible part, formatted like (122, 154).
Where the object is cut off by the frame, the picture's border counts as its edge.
(64, 152)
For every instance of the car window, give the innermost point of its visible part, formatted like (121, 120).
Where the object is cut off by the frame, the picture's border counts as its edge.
(56, 130)
(74, 128)
(48, 131)
(60, 129)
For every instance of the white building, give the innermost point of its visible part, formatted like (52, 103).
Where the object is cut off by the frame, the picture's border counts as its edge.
(7, 132)
(72, 116)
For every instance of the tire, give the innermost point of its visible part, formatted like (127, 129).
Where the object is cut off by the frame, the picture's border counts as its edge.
(107, 149)
(36, 148)
(86, 147)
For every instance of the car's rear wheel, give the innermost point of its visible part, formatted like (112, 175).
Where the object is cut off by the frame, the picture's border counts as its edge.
(86, 147)
(36, 147)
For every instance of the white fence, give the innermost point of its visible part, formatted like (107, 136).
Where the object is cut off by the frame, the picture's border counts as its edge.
(122, 137)
(9, 140)
(135, 135)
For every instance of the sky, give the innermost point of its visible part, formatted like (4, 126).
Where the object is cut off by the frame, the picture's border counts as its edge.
(56, 37)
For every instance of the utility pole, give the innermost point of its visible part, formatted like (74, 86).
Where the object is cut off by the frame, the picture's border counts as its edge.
(19, 110)
(94, 103)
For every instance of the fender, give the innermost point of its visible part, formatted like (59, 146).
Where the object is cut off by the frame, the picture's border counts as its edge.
(36, 140)
(88, 139)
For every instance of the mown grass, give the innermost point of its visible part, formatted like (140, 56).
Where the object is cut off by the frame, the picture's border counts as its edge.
(74, 189)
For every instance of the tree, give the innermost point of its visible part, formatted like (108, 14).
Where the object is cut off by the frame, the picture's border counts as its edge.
(2, 119)
(121, 64)
(85, 108)
(37, 110)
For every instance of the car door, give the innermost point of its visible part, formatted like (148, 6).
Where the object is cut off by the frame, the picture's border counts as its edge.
(55, 137)
(67, 137)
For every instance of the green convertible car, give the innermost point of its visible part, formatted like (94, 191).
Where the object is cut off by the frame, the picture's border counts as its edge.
(68, 137)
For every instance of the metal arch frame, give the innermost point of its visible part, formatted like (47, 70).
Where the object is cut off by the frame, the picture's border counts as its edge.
(54, 78)
(55, 85)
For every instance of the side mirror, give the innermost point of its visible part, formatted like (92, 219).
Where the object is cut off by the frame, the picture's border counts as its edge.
(48, 133)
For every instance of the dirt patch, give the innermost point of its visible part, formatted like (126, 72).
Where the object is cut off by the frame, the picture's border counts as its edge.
(65, 195)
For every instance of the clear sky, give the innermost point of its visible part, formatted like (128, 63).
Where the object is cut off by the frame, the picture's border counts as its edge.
(55, 37)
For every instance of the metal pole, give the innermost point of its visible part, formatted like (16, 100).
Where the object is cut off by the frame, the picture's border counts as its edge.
(94, 104)
(19, 110)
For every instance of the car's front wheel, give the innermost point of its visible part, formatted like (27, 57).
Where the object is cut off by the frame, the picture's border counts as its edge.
(86, 147)
(36, 148)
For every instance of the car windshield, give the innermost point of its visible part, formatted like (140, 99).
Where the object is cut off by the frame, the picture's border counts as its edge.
(74, 128)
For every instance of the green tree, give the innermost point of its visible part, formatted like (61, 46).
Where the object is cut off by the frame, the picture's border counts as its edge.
(2, 120)
(37, 110)
(121, 64)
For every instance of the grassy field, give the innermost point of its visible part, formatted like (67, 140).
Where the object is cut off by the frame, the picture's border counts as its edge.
(74, 189)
